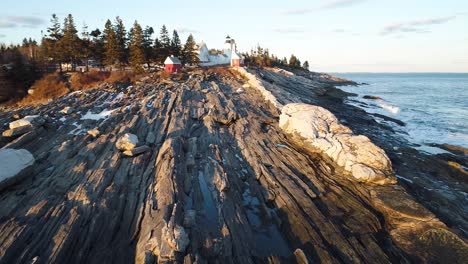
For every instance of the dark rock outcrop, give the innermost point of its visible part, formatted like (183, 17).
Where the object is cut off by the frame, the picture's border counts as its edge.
(220, 185)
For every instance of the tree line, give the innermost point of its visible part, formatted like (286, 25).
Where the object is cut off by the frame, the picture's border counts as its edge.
(113, 46)
(262, 57)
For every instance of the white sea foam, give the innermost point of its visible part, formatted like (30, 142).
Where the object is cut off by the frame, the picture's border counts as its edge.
(390, 108)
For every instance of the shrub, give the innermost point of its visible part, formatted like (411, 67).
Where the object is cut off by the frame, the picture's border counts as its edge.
(80, 81)
(49, 87)
(121, 77)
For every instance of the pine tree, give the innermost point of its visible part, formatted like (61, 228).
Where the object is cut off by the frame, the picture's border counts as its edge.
(136, 48)
(121, 35)
(305, 65)
(165, 42)
(157, 51)
(55, 34)
(97, 46)
(85, 45)
(111, 47)
(294, 62)
(70, 41)
(176, 46)
(189, 54)
(147, 44)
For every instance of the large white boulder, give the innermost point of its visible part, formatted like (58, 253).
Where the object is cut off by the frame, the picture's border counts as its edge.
(322, 132)
(14, 165)
(25, 121)
(127, 142)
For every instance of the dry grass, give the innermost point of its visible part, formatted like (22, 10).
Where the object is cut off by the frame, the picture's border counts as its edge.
(55, 85)
(81, 81)
(165, 75)
(49, 87)
(122, 77)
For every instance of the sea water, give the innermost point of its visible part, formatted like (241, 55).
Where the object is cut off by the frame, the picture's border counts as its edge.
(434, 106)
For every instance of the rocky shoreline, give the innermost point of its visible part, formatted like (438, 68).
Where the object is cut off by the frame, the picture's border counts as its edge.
(213, 178)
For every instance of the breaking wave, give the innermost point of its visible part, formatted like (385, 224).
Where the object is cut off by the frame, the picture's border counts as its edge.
(390, 108)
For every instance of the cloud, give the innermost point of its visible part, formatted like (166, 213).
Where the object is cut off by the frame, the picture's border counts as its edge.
(327, 5)
(187, 30)
(289, 30)
(460, 61)
(2, 35)
(5, 24)
(23, 21)
(339, 3)
(299, 11)
(339, 30)
(415, 26)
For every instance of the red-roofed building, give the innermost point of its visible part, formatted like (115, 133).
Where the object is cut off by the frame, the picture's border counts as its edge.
(172, 64)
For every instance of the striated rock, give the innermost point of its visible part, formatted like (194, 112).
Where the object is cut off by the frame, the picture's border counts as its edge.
(14, 166)
(25, 121)
(127, 142)
(255, 82)
(206, 192)
(17, 131)
(136, 151)
(300, 256)
(190, 218)
(321, 130)
(150, 138)
(93, 132)
(176, 237)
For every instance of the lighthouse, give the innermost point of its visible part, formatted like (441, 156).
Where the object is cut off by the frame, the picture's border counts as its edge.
(229, 45)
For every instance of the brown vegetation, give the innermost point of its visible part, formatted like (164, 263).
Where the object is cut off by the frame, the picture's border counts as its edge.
(55, 85)
(49, 87)
(80, 81)
(122, 77)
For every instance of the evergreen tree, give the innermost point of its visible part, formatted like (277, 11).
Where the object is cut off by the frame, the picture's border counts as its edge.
(176, 46)
(55, 32)
(189, 54)
(70, 42)
(121, 35)
(86, 51)
(294, 62)
(147, 44)
(111, 46)
(97, 46)
(53, 47)
(136, 48)
(157, 51)
(165, 42)
(305, 65)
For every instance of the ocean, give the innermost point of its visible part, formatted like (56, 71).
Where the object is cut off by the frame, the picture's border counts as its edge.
(434, 106)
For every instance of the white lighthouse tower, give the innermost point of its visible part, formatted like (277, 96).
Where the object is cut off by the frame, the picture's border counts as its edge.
(229, 46)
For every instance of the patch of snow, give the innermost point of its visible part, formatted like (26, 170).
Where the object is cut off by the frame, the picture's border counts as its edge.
(75, 92)
(77, 131)
(118, 97)
(403, 178)
(103, 115)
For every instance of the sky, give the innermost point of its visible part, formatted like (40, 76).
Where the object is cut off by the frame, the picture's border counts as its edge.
(332, 35)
